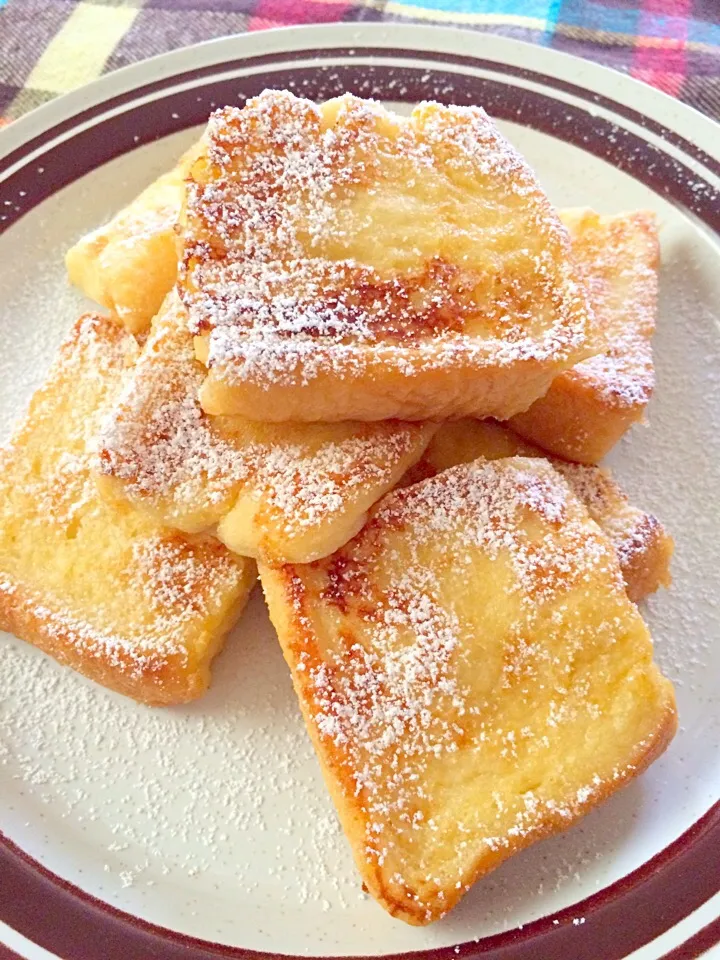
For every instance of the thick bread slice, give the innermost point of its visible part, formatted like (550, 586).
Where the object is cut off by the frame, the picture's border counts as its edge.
(472, 674)
(279, 492)
(103, 588)
(129, 264)
(643, 547)
(588, 409)
(345, 263)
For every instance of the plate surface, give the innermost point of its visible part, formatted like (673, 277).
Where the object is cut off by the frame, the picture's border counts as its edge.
(211, 820)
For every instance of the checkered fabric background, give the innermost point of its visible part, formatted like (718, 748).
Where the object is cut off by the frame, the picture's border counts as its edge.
(50, 46)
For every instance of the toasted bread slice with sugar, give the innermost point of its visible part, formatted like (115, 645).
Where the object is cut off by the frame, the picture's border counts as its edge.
(129, 264)
(103, 588)
(585, 411)
(589, 408)
(344, 263)
(472, 674)
(643, 547)
(279, 492)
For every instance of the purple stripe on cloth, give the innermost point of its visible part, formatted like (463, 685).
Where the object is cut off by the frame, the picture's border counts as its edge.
(8, 92)
(202, 7)
(701, 63)
(703, 93)
(355, 14)
(157, 30)
(618, 56)
(706, 10)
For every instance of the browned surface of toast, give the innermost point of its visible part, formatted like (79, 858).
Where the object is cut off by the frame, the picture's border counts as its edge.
(102, 588)
(644, 548)
(589, 408)
(279, 492)
(129, 264)
(343, 263)
(472, 674)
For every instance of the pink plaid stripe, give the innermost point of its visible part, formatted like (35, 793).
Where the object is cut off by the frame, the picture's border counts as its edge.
(273, 13)
(661, 60)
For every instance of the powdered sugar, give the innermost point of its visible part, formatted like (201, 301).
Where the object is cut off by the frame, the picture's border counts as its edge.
(308, 488)
(619, 258)
(130, 655)
(59, 595)
(181, 582)
(490, 500)
(172, 457)
(388, 679)
(156, 437)
(157, 815)
(264, 272)
(393, 690)
(78, 761)
(642, 545)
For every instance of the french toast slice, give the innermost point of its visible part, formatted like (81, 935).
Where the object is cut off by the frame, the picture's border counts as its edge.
(344, 263)
(589, 408)
(643, 547)
(472, 674)
(104, 589)
(278, 492)
(129, 264)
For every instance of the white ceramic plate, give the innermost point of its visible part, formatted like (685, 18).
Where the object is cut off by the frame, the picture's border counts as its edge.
(211, 820)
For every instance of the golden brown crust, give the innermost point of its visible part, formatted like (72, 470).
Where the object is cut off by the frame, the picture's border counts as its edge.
(345, 263)
(129, 264)
(398, 906)
(589, 408)
(643, 547)
(647, 568)
(103, 589)
(645, 755)
(445, 386)
(573, 422)
(441, 771)
(291, 492)
(156, 678)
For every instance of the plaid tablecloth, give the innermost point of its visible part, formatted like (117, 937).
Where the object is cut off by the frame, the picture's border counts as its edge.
(50, 46)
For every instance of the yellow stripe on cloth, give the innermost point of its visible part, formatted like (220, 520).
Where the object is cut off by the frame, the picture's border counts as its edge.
(77, 53)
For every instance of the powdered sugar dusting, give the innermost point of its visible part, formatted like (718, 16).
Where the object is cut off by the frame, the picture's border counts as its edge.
(490, 497)
(631, 530)
(372, 709)
(170, 455)
(307, 489)
(619, 259)
(640, 541)
(394, 690)
(270, 270)
(157, 814)
(157, 439)
(174, 576)
(624, 375)
(49, 497)
(91, 364)
(88, 777)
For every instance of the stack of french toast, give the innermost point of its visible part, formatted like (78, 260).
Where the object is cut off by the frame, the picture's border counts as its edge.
(363, 355)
